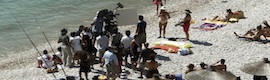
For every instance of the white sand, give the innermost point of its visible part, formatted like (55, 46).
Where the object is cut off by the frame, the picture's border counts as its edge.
(224, 44)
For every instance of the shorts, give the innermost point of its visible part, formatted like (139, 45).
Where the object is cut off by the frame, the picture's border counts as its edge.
(127, 53)
(76, 56)
(84, 67)
(142, 38)
(186, 27)
(101, 53)
(112, 69)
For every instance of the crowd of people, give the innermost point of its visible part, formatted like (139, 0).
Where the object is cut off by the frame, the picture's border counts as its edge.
(114, 48)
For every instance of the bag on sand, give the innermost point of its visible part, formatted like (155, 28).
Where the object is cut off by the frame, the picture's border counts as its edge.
(183, 51)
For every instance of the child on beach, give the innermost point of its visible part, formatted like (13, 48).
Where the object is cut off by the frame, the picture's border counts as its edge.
(164, 16)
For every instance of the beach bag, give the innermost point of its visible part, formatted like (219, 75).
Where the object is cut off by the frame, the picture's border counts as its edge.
(183, 51)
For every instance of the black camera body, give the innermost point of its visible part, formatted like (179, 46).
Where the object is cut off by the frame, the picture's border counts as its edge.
(109, 18)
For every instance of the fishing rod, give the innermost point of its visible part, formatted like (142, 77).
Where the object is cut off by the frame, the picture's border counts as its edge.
(30, 39)
(48, 42)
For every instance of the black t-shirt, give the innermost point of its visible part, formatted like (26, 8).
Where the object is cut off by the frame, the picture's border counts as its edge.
(146, 53)
(141, 26)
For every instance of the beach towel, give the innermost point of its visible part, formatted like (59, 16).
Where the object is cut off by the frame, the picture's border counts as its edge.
(170, 49)
(209, 26)
(173, 43)
(215, 22)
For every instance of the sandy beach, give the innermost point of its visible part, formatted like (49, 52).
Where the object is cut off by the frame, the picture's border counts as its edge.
(208, 46)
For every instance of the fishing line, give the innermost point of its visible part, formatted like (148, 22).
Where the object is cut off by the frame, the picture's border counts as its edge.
(29, 39)
(48, 42)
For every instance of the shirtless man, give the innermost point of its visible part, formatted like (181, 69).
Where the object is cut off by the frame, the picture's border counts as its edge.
(253, 34)
(222, 66)
(164, 16)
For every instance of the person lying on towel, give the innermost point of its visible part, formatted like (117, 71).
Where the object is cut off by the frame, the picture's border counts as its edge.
(253, 34)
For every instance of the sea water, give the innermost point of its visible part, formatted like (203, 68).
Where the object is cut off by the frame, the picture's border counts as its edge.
(52, 15)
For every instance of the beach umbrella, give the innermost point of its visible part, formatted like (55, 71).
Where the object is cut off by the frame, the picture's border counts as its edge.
(208, 74)
(260, 68)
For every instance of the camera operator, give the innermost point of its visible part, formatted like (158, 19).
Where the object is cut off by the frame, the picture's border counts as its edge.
(97, 25)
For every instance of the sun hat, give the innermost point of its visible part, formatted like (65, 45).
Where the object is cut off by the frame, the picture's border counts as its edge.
(163, 8)
(188, 11)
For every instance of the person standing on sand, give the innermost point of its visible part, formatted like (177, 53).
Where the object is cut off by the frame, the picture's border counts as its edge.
(76, 44)
(66, 48)
(186, 23)
(126, 41)
(110, 60)
(135, 49)
(85, 57)
(103, 43)
(164, 16)
(140, 31)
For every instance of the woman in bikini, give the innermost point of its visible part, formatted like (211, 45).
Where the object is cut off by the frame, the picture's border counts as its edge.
(163, 20)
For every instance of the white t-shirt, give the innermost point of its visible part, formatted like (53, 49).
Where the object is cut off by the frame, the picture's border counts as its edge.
(47, 60)
(58, 54)
(89, 34)
(109, 56)
(103, 42)
(126, 41)
(76, 43)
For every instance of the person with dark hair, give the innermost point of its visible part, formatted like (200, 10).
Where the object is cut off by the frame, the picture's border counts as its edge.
(152, 66)
(220, 65)
(145, 55)
(89, 47)
(126, 41)
(190, 68)
(97, 25)
(140, 31)
(76, 44)
(253, 34)
(84, 64)
(227, 17)
(202, 66)
(80, 30)
(66, 48)
(110, 60)
(186, 23)
(103, 43)
(135, 49)
(45, 61)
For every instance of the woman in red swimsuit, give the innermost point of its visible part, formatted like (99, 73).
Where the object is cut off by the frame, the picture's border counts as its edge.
(186, 23)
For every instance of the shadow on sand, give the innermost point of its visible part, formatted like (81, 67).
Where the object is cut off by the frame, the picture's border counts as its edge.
(201, 42)
(160, 57)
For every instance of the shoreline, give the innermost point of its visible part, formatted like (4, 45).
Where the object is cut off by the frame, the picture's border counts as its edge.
(224, 44)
